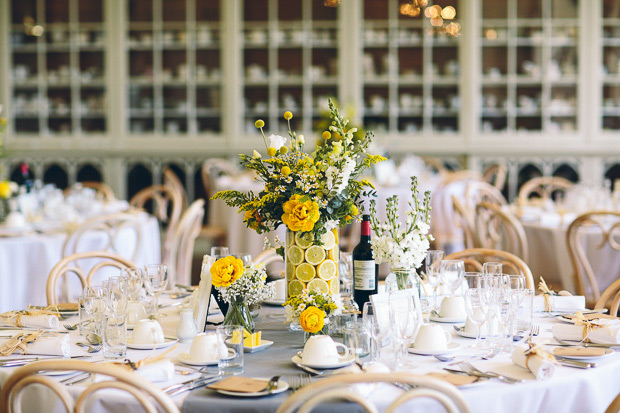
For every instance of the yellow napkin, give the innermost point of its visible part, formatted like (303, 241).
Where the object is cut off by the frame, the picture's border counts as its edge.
(249, 339)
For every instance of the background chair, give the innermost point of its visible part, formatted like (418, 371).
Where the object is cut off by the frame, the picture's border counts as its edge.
(496, 175)
(475, 257)
(100, 264)
(602, 226)
(179, 259)
(171, 179)
(610, 299)
(479, 191)
(269, 257)
(500, 230)
(463, 219)
(545, 187)
(150, 397)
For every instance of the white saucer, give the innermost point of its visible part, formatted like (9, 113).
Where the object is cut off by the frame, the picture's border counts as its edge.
(344, 361)
(247, 349)
(452, 347)
(14, 232)
(185, 359)
(460, 331)
(439, 319)
(276, 303)
(282, 386)
(608, 352)
(167, 343)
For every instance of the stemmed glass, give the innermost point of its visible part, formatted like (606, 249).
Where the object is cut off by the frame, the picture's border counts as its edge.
(371, 321)
(116, 294)
(477, 309)
(245, 257)
(91, 309)
(135, 282)
(404, 321)
(452, 273)
(523, 317)
(433, 275)
(155, 281)
(219, 252)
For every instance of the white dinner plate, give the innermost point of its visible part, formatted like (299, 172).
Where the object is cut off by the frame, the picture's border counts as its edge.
(460, 331)
(344, 361)
(185, 359)
(452, 347)
(275, 303)
(247, 349)
(438, 319)
(608, 352)
(282, 386)
(167, 343)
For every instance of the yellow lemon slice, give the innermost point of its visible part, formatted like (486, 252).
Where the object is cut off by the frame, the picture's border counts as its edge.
(315, 255)
(290, 238)
(329, 240)
(334, 286)
(305, 272)
(327, 269)
(295, 287)
(304, 239)
(290, 271)
(295, 255)
(334, 254)
(318, 285)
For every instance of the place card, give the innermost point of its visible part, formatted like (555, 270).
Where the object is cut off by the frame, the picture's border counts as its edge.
(381, 305)
(240, 385)
(454, 379)
(579, 351)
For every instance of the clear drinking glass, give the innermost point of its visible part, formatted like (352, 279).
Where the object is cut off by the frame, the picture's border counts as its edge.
(513, 281)
(345, 272)
(245, 257)
(231, 363)
(116, 294)
(114, 335)
(404, 321)
(155, 281)
(452, 273)
(523, 319)
(91, 307)
(357, 338)
(473, 279)
(492, 268)
(219, 252)
(377, 333)
(135, 282)
(433, 262)
(477, 309)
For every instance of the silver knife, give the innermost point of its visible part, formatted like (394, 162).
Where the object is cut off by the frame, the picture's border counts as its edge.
(188, 382)
(194, 385)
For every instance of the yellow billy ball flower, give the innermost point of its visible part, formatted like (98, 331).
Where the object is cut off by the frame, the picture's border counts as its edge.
(353, 210)
(259, 123)
(5, 189)
(271, 151)
(326, 135)
(288, 115)
(285, 170)
(283, 150)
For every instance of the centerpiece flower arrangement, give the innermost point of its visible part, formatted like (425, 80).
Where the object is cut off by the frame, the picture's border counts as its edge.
(312, 310)
(240, 286)
(403, 247)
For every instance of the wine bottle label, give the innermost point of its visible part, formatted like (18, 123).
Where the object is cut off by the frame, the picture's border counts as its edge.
(364, 274)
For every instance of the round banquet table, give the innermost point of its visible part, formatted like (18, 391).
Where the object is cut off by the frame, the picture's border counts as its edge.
(570, 390)
(26, 261)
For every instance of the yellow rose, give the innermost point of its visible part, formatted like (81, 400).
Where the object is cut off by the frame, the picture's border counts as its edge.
(300, 216)
(5, 189)
(312, 319)
(226, 271)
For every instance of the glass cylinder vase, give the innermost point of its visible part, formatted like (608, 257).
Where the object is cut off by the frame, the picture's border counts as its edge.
(310, 265)
(404, 278)
(239, 314)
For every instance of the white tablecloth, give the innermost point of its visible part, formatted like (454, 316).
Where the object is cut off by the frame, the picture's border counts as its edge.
(26, 261)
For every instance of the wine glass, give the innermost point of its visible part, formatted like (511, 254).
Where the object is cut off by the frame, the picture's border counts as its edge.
(473, 279)
(372, 322)
(116, 294)
(523, 317)
(404, 321)
(452, 273)
(345, 270)
(135, 282)
(477, 309)
(219, 252)
(155, 281)
(433, 262)
(245, 257)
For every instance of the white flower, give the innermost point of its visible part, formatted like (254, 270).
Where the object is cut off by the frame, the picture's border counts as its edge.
(301, 140)
(256, 154)
(276, 141)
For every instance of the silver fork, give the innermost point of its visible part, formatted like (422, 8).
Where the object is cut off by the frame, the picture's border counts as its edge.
(470, 368)
(91, 349)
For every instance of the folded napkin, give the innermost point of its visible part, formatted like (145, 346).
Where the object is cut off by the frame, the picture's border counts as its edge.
(540, 363)
(160, 371)
(51, 346)
(602, 331)
(560, 303)
(38, 321)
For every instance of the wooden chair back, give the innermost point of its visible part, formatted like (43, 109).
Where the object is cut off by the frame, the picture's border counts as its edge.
(69, 265)
(102, 189)
(214, 167)
(166, 205)
(610, 299)
(179, 260)
(544, 187)
(614, 407)
(499, 229)
(496, 175)
(602, 224)
(479, 191)
(149, 396)
(171, 179)
(463, 218)
(475, 257)
(338, 387)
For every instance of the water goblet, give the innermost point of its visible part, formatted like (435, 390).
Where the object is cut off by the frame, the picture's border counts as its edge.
(404, 321)
(433, 262)
(135, 282)
(452, 273)
(219, 252)
(476, 308)
(378, 333)
(155, 281)
(116, 294)
(245, 257)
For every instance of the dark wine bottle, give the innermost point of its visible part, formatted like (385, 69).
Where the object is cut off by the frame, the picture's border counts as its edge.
(365, 271)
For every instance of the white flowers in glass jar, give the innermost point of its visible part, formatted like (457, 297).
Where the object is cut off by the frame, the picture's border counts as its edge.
(402, 246)
(251, 286)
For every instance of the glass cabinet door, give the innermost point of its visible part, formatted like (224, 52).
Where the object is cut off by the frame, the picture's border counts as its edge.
(610, 13)
(529, 65)
(57, 72)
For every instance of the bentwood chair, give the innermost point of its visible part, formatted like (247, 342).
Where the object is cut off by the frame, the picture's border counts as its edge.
(589, 232)
(150, 397)
(610, 296)
(171, 179)
(499, 229)
(614, 407)
(103, 190)
(463, 219)
(479, 191)
(101, 262)
(165, 203)
(545, 187)
(496, 175)
(475, 257)
(179, 259)
(340, 387)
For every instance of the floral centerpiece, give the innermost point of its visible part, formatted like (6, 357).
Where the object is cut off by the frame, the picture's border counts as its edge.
(312, 310)
(240, 286)
(313, 194)
(403, 247)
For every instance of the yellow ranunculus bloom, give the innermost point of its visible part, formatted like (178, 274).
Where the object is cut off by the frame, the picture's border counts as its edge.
(226, 271)
(5, 189)
(300, 216)
(288, 115)
(312, 319)
(259, 123)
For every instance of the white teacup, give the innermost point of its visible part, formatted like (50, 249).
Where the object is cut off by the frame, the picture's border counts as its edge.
(147, 332)
(206, 348)
(432, 337)
(323, 350)
(16, 220)
(135, 312)
(452, 307)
